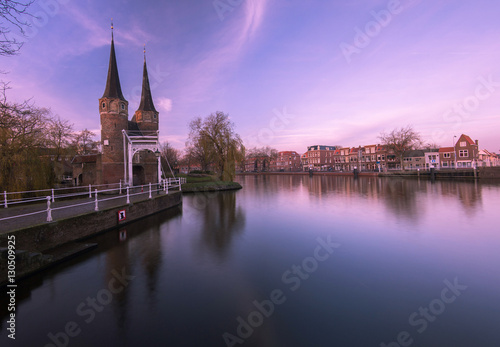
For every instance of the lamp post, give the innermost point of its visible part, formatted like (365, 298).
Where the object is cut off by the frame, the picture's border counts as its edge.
(157, 154)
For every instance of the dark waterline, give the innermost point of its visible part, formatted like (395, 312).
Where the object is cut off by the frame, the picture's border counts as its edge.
(322, 261)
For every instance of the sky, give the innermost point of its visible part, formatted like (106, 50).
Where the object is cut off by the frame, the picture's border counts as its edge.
(289, 73)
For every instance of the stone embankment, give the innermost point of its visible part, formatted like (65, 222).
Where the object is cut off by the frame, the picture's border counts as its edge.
(44, 244)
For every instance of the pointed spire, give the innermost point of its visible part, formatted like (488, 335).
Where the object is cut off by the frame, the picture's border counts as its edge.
(113, 88)
(146, 98)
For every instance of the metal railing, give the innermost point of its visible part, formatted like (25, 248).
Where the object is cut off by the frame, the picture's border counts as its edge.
(123, 193)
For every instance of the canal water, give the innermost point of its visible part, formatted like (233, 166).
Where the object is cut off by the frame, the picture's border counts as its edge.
(286, 261)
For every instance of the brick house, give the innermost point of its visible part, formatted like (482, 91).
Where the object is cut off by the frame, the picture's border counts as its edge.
(487, 159)
(319, 158)
(467, 152)
(258, 164)
(447, 157)
(288, 161)
(415, 160)
(368, 158)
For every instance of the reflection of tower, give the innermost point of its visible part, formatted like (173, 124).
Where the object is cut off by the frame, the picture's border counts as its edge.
(113, 109)
(117, 261)
(151, 256)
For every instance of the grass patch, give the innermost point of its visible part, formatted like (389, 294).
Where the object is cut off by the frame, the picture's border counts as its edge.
(210, 186)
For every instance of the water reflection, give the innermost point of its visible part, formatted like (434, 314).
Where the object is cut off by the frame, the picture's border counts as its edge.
(400, 196)
(198, 271)
(220, 218)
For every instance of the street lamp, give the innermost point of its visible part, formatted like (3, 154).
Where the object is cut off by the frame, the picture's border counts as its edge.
(157, 155)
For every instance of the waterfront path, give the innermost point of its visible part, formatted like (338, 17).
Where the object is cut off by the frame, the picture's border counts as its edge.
(36, 213)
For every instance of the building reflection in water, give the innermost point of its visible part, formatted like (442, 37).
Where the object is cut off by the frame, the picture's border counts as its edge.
(401, 196)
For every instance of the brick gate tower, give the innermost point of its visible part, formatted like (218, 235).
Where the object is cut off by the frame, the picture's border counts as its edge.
(113, 110)
(129, 148)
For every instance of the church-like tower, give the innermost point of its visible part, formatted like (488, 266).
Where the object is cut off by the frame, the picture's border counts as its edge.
(113, 109)
(146, 115)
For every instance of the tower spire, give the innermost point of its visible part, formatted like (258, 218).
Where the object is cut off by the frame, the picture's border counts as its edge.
(113, 88)
(146, 98)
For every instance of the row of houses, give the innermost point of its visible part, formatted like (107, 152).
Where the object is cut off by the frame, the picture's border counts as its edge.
(464, 154)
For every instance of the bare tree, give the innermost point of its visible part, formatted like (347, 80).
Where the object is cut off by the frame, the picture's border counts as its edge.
(399, 141)
(83, 142)
(197, 152)
(266, 151)
(12, 14)
(215, 138)
(23, 137)
(59, 135)
(169, 154)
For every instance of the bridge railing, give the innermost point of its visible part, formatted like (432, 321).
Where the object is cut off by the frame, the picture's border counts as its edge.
(97, 196)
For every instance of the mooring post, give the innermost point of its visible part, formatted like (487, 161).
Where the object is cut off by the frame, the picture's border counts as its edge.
(53, 199)
(49, 210)
(128, 195)
(96, 208)
(90, 191)
(120, 187)
(150, 190)
(5, 199)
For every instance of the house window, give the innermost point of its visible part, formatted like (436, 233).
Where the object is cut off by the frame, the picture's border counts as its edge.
(462, 144)
(463, 153)
(446, 155)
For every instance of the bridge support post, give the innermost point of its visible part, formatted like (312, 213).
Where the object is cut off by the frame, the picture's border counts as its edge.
(49, 210)
(96, 208)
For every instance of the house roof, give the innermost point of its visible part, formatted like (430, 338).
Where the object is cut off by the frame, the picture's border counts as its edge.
(468, 139)
(414, 153)
(88, 158)
(446, 149)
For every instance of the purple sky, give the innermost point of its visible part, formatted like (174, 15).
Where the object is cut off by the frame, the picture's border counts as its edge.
(289, 73)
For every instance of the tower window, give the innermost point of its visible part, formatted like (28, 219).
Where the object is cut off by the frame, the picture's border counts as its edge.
(154, 116)
(123, 106)
(103, 105)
